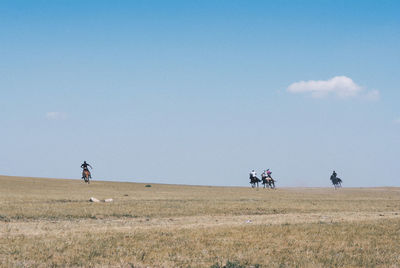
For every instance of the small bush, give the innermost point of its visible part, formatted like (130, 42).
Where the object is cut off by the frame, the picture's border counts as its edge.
(4, 218)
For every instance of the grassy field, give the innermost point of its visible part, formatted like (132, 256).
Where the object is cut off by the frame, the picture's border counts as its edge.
(50, 222)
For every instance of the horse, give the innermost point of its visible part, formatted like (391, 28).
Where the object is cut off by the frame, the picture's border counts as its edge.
(268, 182)
(86, 175)
(254, 181)
(337, 182)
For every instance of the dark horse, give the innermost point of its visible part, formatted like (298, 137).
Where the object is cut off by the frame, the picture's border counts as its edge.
(268, 182)
(337, 182)
(254, 181)
(86, 175)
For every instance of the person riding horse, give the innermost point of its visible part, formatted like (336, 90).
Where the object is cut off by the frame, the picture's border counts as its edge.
(253, 178)
(266, 175)
(267, 179)
(337, 182)
(253, 174)
(269, 173)
(85, 169)
(264, 178)
(334, 177)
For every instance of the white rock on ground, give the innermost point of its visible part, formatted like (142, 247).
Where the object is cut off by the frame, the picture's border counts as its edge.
(92, 199)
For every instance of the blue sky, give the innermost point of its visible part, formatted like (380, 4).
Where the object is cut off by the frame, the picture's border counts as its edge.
(201, 92)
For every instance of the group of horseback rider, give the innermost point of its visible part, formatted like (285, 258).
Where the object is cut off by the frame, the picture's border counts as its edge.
(266, 179)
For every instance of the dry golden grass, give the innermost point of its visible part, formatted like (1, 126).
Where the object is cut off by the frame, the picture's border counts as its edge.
(48, 222)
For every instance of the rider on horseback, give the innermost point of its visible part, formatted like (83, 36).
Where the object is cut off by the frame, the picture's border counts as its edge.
(267, 180)
(253, 174)
(264, 175)
(336, 181)
(269, 173)
(253, 179)
(85, 168)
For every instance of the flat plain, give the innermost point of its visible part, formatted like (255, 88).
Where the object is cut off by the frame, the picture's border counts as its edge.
(50, 222)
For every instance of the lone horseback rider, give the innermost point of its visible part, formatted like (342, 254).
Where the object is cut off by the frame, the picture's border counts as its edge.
(85, 168)
(336, 181)
(334, 175)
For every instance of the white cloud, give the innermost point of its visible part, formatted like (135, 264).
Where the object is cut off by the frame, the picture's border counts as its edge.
(56, 115)
(397, 121)
(341, 86)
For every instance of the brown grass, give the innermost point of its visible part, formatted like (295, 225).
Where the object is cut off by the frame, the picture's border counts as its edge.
(48, 222)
